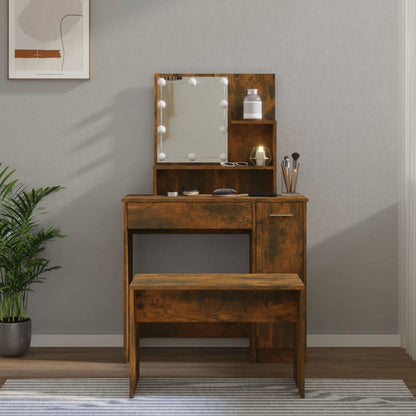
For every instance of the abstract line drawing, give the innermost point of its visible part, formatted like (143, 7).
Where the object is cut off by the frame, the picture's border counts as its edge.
(49, 39)
(62, 38)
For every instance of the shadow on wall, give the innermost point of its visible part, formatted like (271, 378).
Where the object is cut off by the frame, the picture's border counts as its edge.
(110, 155)
(352, 279)
(122, 147)
(105, 156)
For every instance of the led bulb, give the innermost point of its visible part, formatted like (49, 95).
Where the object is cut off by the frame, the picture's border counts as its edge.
(161, 104)
(161, 82)
(224, 81)
(161, 156)
(192, 81)
(223, 157)
(161, 129)
(224, 104)
(223, 129)
(260, 156)
(192, 156)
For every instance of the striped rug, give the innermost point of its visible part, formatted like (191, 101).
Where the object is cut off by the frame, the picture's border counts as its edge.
(186, 397)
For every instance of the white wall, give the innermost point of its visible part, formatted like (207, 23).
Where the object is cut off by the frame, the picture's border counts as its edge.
(337, 100)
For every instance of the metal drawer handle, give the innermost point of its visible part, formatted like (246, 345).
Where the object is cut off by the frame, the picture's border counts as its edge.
(280, 215)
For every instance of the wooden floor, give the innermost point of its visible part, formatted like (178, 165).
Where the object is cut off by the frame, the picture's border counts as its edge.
(369, 363)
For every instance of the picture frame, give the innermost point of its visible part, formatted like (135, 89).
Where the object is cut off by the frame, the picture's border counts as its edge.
(49, 39)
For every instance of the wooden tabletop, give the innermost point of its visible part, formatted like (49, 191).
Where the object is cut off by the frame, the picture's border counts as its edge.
(253, 281)
(212, 198)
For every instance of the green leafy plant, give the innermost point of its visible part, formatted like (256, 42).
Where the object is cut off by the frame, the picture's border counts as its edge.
(22, 244)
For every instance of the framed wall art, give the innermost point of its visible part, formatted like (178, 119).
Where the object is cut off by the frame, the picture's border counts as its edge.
(49, 39)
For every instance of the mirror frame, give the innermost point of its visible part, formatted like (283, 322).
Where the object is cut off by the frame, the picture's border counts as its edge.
(161, 80)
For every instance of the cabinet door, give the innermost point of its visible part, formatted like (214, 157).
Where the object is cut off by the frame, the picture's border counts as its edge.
(280, 248)
(280, 238)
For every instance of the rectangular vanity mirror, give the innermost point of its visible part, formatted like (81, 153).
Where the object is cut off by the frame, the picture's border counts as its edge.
(191, 118)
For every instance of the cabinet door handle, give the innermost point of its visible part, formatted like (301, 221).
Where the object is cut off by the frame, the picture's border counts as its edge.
(280, 215)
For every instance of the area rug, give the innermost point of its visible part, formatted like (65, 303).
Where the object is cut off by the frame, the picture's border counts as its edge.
(209, 396)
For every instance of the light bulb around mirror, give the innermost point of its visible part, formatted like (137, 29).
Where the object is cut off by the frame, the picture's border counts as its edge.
(224, 81)
(223, 157)
(224, 104)
(192, 82)
(161, 104)
(161, 82)
(192, 156)
(223, 129)
(161, 156)
(161, 129)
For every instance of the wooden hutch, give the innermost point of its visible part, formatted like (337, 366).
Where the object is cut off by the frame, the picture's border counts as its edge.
(276, 224)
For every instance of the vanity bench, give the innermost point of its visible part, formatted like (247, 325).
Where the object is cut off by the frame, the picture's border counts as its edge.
(229, 298)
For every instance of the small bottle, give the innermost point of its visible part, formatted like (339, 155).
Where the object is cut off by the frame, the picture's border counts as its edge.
(252, 105)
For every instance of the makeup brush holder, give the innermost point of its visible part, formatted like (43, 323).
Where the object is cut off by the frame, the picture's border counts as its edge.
(289, 181)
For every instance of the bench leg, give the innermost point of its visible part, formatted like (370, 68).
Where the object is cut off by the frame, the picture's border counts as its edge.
(134, 347)
(299, 350)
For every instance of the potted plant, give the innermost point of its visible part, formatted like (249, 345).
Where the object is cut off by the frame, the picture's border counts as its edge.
(22, 261)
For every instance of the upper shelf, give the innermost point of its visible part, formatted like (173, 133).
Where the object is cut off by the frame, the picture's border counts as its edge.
(253, 121)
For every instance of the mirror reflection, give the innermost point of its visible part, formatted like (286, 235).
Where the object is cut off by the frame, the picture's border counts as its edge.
(192, 119)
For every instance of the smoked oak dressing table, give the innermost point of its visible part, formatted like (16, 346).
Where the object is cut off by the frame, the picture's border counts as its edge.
(276, 225)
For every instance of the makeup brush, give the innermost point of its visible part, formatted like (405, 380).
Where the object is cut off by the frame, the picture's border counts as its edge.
(286, 161)
(286, 172)
(295, 157)
(295, 171)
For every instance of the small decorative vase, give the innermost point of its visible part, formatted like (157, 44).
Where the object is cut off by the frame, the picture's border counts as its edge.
(15, 338)
(252, 106)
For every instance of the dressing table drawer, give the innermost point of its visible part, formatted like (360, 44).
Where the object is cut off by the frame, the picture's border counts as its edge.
(188, 215)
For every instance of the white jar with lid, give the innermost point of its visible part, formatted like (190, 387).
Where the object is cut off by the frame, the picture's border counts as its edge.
(252, 105)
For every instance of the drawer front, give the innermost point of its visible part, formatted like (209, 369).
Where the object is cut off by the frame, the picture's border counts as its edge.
(189, 215)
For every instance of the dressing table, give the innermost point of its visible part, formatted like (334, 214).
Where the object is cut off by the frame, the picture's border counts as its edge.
(276, 224)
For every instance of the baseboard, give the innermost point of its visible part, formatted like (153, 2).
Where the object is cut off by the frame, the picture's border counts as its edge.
(117, 341)
(392, 340)
(76, 340)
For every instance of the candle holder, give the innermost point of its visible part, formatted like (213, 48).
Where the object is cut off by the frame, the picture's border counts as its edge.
(260, 156)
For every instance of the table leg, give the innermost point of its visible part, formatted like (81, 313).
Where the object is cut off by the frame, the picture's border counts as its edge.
(128, 273)
(134, 346)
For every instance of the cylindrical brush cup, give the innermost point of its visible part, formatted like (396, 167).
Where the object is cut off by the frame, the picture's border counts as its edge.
(289, 179)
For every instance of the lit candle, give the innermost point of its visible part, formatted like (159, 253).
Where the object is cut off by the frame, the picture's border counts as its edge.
(260, 156)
